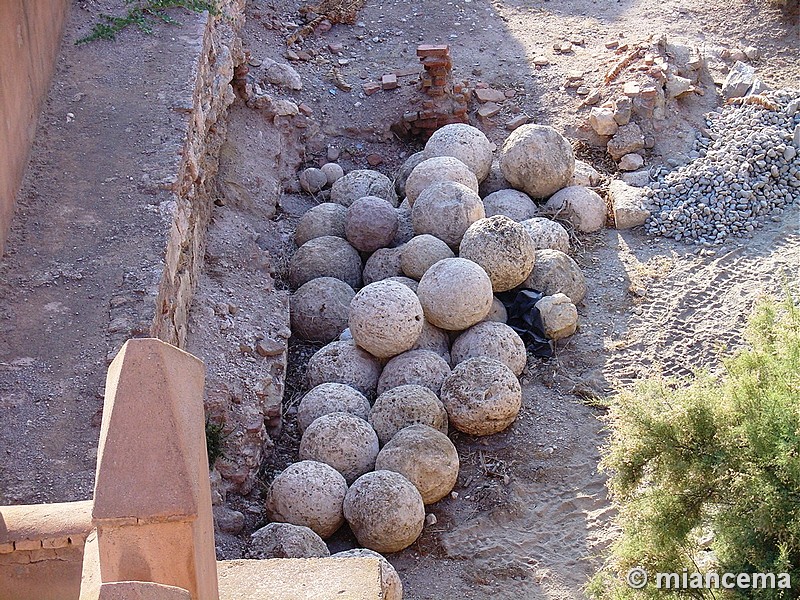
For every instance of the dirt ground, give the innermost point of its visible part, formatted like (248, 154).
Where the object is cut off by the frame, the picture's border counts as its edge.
(531, 519)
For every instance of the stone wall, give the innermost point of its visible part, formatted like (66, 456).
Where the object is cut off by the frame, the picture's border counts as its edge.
(30, 34)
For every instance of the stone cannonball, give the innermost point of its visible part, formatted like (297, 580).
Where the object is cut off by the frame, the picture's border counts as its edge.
(537, 160)
(408, 282)
(436, 170)
(434, 339)
(418, 367)
(392, 586)
(482, 396)
(405, 228)
(503, 248)
(344, 362)
(446, 210)
(371, 223)
(362, 182)
(327, 398)
(492, 340)
(310, 494)
(284, 540)
(406, 405)
(424, 456)
(323, 219)
(343, 441)
(513, 204)
(313, 180)
(384, 263)
(582, 207)
(325, 256)
(333, 172)
(319, 309)
(559, 316)
(385, 511)
(495, 181)
(556, 272)
(404, 171)
(547, 234)
(498, 312)
(455, 293)
(385, 318)
(420, 253)
(464, 142)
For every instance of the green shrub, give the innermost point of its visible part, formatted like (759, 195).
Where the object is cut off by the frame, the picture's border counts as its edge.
(716, 458)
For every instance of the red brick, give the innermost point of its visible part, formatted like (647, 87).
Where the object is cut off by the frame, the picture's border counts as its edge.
(489, 95)
(374, 159)
(489, 109)
(433, 50)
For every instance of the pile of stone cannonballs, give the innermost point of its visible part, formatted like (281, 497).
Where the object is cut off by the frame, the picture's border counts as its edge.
(403, 294)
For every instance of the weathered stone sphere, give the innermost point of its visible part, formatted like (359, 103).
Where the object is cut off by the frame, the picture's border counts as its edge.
(547, 234)
(464, 142)
(424, 456)
(406, 405)
(434, 339)
(510, 203)
(436, 170)
(421, 252)
(405, 228)
(310, 494)
(556, 272)
(537, 160)
(343, 441)
(492, 340)
(319, 309)
(328, 398)
(446, 210)
(284, 540)
(362, 182)
(503, 248)
(482, 396)
(497, 313)
(392, 586)
(385, 318)
(455, 293)
(325, 256)
(313, 180)
(406, 281)
(404, 171)
(333, 172)
(559, 316)
(324, 219)
(344, 362)
(494, 182)
(385, 511)
(582, 207)
(418, 367)
(384, 263)
(371, 223)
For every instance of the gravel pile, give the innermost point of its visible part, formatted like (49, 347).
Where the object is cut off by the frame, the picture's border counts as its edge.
(746, 169)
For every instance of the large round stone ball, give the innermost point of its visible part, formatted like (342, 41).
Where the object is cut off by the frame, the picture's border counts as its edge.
(343, 441)
(405, 227)
(324, 219)
(319, 309)
(494, 182)
(328, 398)
(408, 282)
(424, 456)
(503, 248)
(446, 210)
(559, 316)
(418, 367)
(344, 362)
(310, 494)
(325, 256)
(392, 586)
(498, 312)
(406, 405)
(492, 340)
(582, 207)
(436, 170)
(385, 318)
(333, 172)
(513, 204)
(556, 272)
(537, 160)
(455, 293)
(434, 339)
(547, 234)
(312, 180)
(482, 396)
(464, 142)
(384, 263)
(284, 540)
(385, 511)
(404, 171)
(371, 223)
(363, 182)
(420, 253)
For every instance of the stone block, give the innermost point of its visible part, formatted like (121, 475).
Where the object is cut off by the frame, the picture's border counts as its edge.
(628, 205)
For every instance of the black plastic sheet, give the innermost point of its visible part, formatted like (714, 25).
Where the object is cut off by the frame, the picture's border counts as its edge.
(525, 319)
